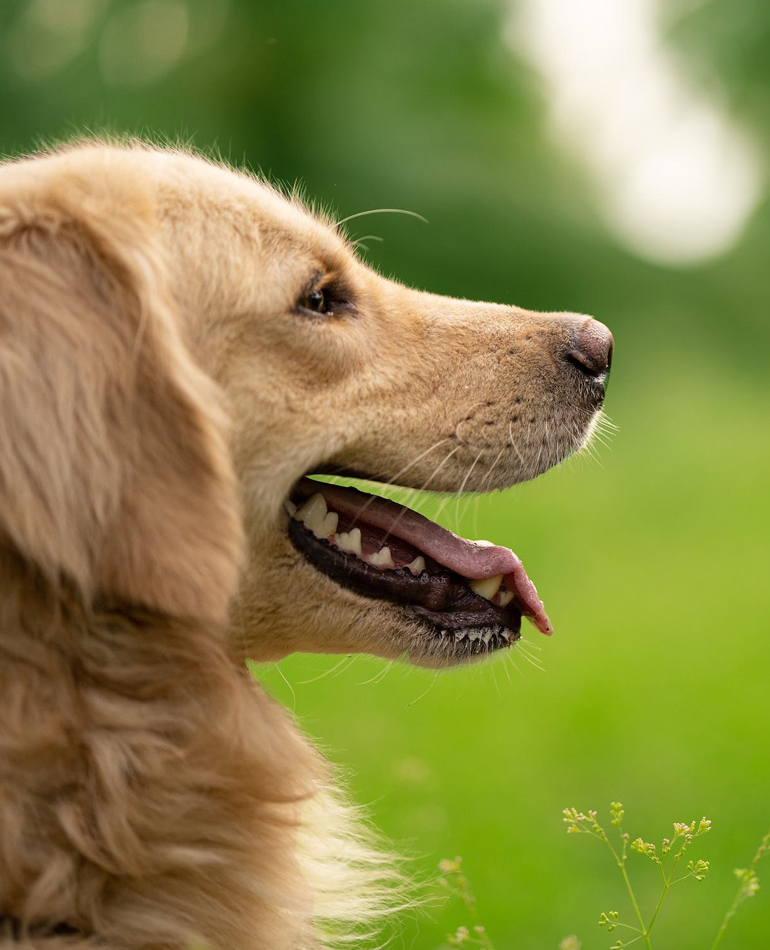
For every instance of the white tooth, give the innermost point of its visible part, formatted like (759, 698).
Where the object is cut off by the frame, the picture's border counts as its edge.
(328, 525)
(290, 507)
(486, 637)
(350, 541)
(488, 587)
(417, 566)
(486, 544)
(459, 634)
(506, 596)
(312, 512)
(382, 559)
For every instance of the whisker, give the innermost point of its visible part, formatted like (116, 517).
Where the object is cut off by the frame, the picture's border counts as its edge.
(361, 214)
(359, 242)
(513, 443)
(494, 672)
(512, 657)
(425, 693)
(398, 474)
(435, 472)
(378, 676)
(291, 688)
(473, 499)
(461, 489)
(457, 494)
(329, 672)
(603, 419)
(368, 237)
(530, 644)
(533, 660)
(490, 474)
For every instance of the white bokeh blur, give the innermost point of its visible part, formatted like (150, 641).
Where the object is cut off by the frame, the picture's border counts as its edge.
(676, 176)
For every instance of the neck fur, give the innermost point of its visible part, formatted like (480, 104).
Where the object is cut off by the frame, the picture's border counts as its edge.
(150, 792)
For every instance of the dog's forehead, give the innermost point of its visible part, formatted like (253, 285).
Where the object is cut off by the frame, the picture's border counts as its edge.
(212, 195)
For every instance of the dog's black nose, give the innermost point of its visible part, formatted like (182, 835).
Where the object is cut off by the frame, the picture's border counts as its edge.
(591, 351)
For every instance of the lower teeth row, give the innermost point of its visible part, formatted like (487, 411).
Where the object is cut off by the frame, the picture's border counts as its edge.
(316, 517)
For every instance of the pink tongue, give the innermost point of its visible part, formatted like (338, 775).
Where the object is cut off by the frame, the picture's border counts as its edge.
(470, 559)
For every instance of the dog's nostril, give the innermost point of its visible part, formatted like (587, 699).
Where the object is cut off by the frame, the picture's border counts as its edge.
(591, 351)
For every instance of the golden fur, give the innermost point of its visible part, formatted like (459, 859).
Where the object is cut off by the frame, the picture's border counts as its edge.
(159, 396)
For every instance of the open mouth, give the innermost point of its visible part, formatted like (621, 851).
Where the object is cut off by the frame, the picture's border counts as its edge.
(469, 591)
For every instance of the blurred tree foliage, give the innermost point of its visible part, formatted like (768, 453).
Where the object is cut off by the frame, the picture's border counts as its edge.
(418, 105)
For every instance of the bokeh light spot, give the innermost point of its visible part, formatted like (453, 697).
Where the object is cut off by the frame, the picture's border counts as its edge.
(143, 41)
(49, 34)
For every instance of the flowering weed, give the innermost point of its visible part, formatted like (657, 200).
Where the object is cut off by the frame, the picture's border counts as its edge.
(669, 857)
(456, 884)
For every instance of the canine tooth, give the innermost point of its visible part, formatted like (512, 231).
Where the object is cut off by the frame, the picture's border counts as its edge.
(382, 559)
(312, 512)
(506, 596)
(350, 541)
(328, 525)
(417, 566)
(488, 587)
(290, 507)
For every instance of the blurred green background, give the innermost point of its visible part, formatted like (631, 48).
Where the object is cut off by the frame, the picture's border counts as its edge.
(527, 134)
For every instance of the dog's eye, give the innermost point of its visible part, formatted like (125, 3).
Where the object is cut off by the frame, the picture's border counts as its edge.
(317, 302)
(324, 297)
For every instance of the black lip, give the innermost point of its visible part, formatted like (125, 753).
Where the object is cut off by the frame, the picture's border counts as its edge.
(438, 596)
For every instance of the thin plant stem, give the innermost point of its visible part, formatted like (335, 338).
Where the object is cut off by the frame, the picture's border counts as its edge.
(667, 883)
(644, 930)
(742, 894)
(621, 863)
(727, 918)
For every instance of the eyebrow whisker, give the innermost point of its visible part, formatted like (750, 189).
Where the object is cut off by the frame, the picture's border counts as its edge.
(360, 214)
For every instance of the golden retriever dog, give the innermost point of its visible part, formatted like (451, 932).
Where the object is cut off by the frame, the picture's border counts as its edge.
(181, 347)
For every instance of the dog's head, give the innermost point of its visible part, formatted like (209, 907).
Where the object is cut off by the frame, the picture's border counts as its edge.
(181, 346)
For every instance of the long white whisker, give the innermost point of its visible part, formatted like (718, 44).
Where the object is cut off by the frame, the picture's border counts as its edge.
(513, 444)
(361, 214)
(457, 495)
(419, 458)
(398, 474)
(291, 688)
(458, 515)
(513, 660)
(490, 474)
(329, 672)
(435, 472)
(368, 237)
(523, 650)
(425, 693)
(378, 676)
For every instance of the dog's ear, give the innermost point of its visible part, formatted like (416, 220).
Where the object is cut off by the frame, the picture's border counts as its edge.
(115, 473)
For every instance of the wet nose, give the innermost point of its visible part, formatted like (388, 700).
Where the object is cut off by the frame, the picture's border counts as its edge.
(591, 350)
